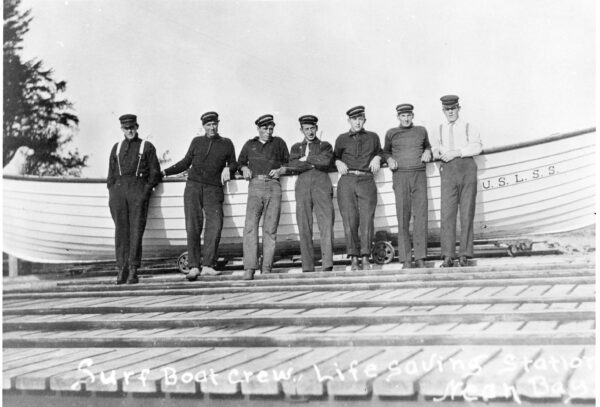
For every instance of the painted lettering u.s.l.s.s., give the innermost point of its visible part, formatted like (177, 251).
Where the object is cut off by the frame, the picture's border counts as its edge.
(518, 177)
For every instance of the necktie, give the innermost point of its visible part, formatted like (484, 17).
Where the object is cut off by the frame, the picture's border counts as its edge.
(307, 150)
(451, 136)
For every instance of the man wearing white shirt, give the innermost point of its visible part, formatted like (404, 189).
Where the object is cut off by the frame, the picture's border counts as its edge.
(455, 145)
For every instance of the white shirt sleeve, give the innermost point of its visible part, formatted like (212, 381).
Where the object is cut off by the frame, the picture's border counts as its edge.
(473, 145)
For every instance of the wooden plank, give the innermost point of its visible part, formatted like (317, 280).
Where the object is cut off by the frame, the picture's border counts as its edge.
(537, 326)
(154, 359)
(77, 379)
(582, 384)
(449, 381)
(378, 328)
(563, 306)
(504, 327)
(35, 376)
(584, 289)
(511, 290)
(460, 293)
(507, 307)
(546, 378)
(496, 379)
(559, 290)
(448, 308)
(358, 378)
(11, 354)
(314, 381)
(586, 306)
(28, 357)
(252, 368)
(438, 293)
(346, 329)
(180, 364)
(562, 277)
(404, 375)
(535, 290)
(532, 307)
(475, 327)
(485, 292)
(475, 308)
(283, 376)
(575, 326)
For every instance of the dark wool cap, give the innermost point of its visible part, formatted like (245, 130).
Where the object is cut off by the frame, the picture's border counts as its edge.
(404, 108)
(356, 111)
(128, 119)
(264, 120)
(308, 119)
(209, 117)
(449, 100)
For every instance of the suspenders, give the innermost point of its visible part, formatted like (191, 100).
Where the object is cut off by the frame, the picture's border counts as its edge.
(139, 156)
(466, 131)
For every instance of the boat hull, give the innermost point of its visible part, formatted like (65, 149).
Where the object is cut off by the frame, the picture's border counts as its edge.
(546, 187)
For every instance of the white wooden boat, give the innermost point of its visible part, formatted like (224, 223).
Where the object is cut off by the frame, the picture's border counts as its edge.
(537, 187)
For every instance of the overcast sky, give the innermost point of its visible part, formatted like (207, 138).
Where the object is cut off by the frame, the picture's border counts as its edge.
(524, 69)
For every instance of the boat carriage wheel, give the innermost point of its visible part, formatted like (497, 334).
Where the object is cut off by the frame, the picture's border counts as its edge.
(182, 263)
(383, 252)
(184, 267)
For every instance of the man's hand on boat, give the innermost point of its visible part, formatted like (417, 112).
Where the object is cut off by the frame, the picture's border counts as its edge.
(341, 167)
(450, 155)
(247, 173)
(225, 175)
(375, 164)
(392, 164)
(426, 157)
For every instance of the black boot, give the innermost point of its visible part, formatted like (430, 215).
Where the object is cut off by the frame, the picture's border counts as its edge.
(133, 278)
(354, 266)
(122, 275)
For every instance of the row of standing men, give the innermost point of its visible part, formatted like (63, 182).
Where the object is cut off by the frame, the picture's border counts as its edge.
(134, 171)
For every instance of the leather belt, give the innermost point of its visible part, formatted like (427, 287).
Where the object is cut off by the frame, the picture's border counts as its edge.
(356, 172)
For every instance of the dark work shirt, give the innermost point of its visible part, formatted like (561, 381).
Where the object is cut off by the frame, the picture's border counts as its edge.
(406, 145)
(262, 158)
(357, 150)
(149, 167)
(207, 156)
(320, 156)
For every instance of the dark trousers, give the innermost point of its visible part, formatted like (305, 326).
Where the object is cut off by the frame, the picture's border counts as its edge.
(459, 192)
(357, 200)
(410, 188)
(200, 202)
(315, 192)
(129, 208)
(264, 198)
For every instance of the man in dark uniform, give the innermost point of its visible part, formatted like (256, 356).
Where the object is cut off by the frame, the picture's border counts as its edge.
(133, 171)
(358, 157)
(312, 158)
(262, 159)
(456, 144)
(212, 159)
(407, 149)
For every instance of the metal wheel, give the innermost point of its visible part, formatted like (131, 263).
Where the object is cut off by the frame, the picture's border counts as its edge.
(182, 263)
(383, 252)
(513, 250)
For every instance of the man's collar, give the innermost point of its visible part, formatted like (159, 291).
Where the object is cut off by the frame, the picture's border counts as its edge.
(406, 127)
(315, 141)
(136, 137)
(352, 132)
(215, 137)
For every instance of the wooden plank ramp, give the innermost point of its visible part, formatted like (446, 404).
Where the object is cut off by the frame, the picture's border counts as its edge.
(511, 335)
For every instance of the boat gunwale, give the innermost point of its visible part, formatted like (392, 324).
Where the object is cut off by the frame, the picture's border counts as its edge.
(492, 150)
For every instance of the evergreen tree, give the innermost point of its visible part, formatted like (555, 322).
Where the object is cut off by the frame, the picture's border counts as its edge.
(35, 114)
